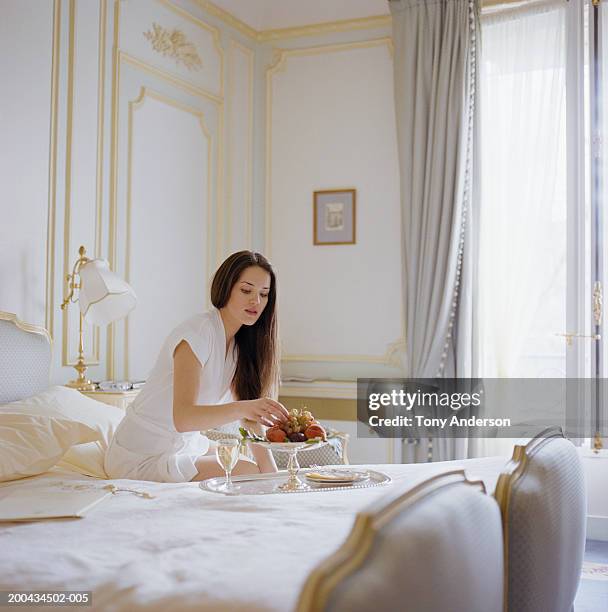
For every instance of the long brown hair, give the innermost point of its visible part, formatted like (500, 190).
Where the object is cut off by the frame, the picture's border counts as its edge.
(257, 368)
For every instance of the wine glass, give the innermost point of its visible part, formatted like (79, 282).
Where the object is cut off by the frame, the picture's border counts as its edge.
(227, 454)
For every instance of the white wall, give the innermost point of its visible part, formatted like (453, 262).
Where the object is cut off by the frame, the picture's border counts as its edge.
(165, 169)
(26, 35)
(331, 125)
(138, 170)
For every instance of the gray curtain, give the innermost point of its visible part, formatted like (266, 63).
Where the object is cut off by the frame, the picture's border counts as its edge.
(435, 63)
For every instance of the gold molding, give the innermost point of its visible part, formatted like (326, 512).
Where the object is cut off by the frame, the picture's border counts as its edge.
(322, 389)
(93, 357)
(249, 187)
(101, 89)
(510, 475)
(146, 92)
(111, 332)
(387, 359)
(352, 553)
(314, 29)
(391, 354)
(326, 27)
(175, 45)
(68, 172)
(167, 76)
(249, 53)
(101, 79)
(205, 26)
(27, 327)
(324, 409)
(228, 19)
(52, 178)
(219, 191)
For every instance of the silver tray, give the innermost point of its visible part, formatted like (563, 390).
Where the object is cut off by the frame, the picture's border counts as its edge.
(266, 484)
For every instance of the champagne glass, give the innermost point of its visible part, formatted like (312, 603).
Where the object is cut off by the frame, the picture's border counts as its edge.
(227, 454)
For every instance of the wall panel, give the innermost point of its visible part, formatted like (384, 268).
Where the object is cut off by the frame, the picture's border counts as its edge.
(82, 205)
(26, 39)
(326, 130)
(167, 221)
(166, 176)
(239, 185)
(166, 36)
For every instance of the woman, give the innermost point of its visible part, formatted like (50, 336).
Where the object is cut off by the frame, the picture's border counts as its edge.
(227, 353)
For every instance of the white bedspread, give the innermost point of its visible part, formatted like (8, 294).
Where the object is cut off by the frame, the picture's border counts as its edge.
(187, 549)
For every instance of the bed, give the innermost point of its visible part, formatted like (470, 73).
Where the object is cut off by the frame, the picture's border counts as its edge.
(157, 546)
(189, 549)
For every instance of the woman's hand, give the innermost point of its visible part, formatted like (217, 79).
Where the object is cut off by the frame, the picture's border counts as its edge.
(264, 410)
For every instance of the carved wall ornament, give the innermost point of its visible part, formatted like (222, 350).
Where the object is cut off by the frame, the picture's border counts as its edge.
(173, 43)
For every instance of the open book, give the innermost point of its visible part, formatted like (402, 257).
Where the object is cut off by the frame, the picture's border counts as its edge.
(34, 504)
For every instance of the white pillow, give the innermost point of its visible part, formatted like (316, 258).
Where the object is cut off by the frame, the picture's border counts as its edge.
(69, 404)
(32, 444)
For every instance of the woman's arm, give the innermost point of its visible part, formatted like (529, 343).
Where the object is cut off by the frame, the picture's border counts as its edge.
(187, 416)
(263, 457)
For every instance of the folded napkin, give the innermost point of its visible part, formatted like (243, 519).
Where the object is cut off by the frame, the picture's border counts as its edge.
(337, 475)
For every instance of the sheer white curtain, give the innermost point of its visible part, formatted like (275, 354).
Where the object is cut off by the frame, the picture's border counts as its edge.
(522, 263)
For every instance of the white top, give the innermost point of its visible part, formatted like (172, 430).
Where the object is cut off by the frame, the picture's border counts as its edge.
(148, 428)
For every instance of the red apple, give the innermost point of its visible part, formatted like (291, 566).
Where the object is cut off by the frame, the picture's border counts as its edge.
(276, 434)
(315, 431)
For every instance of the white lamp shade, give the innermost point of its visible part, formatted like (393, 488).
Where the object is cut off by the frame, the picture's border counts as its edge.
(104, 297)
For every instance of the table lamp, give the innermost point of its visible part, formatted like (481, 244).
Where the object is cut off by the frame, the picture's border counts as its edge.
(103, 297)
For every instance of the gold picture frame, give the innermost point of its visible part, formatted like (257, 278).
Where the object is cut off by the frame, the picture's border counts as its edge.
(334, 217)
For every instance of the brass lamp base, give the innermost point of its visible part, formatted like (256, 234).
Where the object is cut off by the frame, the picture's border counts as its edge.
(81, 385)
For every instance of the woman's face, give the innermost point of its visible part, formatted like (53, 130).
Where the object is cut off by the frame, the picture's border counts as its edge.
(249, 295)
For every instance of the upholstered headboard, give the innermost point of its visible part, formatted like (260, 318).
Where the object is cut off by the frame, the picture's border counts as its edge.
(434, 546)
(25, 358)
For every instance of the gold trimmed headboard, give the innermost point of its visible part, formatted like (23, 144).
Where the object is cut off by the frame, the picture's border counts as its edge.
(373, 545)
(541, 495)
(25, 358)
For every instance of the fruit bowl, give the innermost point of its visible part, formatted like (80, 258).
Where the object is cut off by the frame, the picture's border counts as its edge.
(293, 483)
(300, 431)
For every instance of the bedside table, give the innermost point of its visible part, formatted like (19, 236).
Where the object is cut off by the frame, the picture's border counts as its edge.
(120, 399)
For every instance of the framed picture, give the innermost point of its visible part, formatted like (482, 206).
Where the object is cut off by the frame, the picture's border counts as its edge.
(334, 216)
